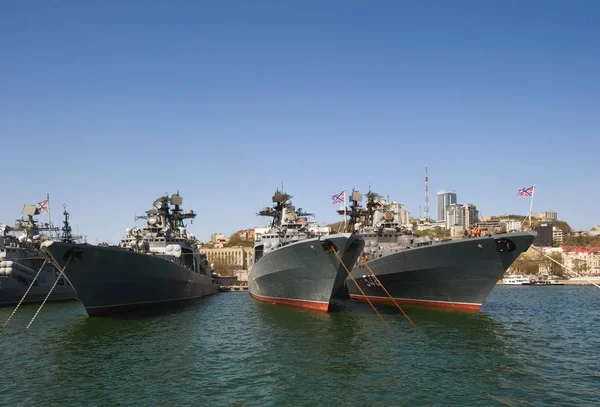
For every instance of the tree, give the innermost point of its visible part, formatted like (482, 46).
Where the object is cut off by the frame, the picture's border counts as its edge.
(436, 232)
(552, 267)
(236, 240)
(580, 266)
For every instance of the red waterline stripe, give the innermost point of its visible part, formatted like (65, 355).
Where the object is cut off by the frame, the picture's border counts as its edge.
(459, 306)
(314, 305)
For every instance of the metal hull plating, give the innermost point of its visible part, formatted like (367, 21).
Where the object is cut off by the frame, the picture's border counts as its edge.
(110, 280)
(453, 275)
(304, 274)
(12, 290)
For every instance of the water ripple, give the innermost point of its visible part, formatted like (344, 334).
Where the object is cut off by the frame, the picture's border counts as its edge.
(528, 346)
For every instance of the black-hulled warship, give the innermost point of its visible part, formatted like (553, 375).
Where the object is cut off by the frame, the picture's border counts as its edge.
(453, 274)
(296, 263)
(152, 266)
(21, 258)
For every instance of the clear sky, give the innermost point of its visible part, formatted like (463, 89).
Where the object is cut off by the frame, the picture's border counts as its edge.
(107, 105)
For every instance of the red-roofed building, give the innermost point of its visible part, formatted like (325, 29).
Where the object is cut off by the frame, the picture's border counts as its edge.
(582, 260)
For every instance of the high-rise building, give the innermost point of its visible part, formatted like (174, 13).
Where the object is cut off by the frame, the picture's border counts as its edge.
(455, 215)
(471, 215)
(444, 198)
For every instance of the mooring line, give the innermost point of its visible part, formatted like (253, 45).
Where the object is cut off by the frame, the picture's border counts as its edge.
(24, 295)
(562, 265)
(50, 292)
(352, 277)
(388, 294)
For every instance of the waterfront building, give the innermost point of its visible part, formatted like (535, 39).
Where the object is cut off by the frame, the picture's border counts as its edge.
(546, 216)
(444, 198)
(236, 257)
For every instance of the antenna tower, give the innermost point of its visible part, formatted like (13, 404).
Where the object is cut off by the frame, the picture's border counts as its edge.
(426, 195)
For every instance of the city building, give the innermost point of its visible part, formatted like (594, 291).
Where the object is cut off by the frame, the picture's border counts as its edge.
(403, 214)
(215, 237)
(246, 234)
(455, 216)
(444, 198)
(471, 215)
(458, 230)
(236, 257)
(544, 236)
(557, 235)
(513, 225)
(430, 225)
(218, 240)
(582, 260)
(546, 216)
(491, 226)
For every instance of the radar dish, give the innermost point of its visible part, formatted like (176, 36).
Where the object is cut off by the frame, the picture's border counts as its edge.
(176, 199)
(158, 204)
(280, 197)
(356, 196)
(30, 210)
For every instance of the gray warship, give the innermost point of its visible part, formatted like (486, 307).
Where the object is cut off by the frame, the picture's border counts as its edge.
(452, 274)
(295, 262)
(153, 266)
(21, 258)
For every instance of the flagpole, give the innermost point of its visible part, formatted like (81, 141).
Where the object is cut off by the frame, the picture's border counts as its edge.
(48, 199)
(344, 208)
(531, 204)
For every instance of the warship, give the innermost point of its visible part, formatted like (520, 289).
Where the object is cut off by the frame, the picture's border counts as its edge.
(151, 266)
(297, 263)
(21, 259)
(450, 274)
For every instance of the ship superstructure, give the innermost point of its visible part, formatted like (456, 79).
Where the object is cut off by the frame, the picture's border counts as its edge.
(21, 259)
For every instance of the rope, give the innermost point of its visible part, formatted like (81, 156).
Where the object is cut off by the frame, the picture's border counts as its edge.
(24, 295)
(363, 293)
(388, 294)
(562, 265)
(48, 296)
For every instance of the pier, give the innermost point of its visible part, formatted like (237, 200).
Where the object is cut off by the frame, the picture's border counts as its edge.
(234, 288)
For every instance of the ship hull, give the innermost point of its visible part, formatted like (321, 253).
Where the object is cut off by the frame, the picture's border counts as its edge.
(455, 275)
(111, 280)
(304, 274)
(13, 290)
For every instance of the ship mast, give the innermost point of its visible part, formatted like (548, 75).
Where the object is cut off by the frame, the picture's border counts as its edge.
(66, 235)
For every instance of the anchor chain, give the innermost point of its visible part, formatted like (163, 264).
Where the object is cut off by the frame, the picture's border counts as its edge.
(49, 293)
(334, 251)
(389, 295)
(24, 295)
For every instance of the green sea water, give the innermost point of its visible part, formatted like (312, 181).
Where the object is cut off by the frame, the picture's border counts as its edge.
(527, 346)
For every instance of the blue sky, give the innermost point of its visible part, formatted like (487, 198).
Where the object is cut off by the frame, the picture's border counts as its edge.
(108, 105)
